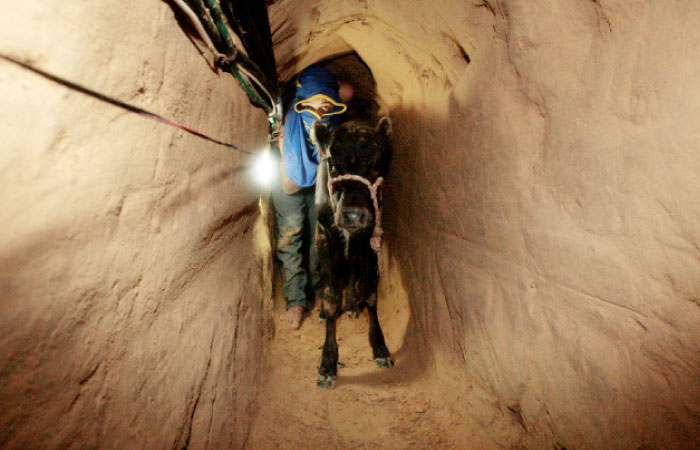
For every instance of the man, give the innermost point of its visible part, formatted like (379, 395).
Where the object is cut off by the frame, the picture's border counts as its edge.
(317, 99)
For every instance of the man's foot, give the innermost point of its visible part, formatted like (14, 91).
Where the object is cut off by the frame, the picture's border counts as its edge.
(293, 317)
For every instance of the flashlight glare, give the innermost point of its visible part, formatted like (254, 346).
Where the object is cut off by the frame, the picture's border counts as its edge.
(264, 170)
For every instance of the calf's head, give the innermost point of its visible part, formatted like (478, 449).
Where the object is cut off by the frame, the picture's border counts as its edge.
(356, 157)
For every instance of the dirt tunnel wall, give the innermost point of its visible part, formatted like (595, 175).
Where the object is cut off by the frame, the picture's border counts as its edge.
(543, 216)
(543, 200)
(132, 298)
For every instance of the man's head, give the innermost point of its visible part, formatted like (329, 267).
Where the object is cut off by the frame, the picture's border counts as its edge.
(317, 92)
(316, 100)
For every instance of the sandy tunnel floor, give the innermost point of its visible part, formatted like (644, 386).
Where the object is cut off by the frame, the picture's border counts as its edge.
(407, 406)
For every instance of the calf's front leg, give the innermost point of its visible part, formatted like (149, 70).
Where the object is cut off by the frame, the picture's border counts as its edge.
(368, 290)
(330, 309)
(376, 338)
(328, 370)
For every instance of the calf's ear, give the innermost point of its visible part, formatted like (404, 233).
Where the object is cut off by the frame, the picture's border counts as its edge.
(384, 126)
(321, 137)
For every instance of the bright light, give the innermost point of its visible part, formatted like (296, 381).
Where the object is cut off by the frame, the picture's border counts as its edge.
(265, 169)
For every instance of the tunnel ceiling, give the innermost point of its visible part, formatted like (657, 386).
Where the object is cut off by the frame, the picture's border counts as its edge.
(427, 51)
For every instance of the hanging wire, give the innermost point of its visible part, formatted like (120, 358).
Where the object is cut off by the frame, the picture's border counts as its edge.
(273, 112)
(115, 102)
(194, 20)
(210, 21)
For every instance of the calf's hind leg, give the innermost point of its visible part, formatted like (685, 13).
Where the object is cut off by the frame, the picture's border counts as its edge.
(328, 370)
(376, 338)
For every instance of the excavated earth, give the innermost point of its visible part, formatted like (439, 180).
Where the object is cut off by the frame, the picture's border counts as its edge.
(407, 406)
(542, 220)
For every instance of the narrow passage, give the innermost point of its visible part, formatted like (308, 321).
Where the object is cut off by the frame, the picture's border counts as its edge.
(407, 406)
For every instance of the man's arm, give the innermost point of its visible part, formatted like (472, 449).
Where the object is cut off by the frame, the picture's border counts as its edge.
(288, 186)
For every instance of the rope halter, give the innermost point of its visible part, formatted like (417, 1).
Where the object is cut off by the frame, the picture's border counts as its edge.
(375, 241)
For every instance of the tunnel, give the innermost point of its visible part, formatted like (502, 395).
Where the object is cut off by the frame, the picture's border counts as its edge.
(540, 260)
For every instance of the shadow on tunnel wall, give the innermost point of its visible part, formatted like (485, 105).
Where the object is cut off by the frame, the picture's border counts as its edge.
(492, 270)
(412, 222)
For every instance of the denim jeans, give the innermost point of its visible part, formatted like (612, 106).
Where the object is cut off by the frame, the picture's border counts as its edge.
(296, 249)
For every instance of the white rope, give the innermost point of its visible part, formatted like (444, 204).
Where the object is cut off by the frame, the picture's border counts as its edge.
(375, 241)
(200, 29)
(250, 76)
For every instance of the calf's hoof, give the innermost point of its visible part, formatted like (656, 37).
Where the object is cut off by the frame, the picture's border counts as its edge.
(384, 362)
(354, 314)
(326, 381)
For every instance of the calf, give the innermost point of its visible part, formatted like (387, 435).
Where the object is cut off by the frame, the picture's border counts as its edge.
(354, 159)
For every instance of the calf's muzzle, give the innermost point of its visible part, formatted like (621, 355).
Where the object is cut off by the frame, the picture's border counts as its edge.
(354, 218)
